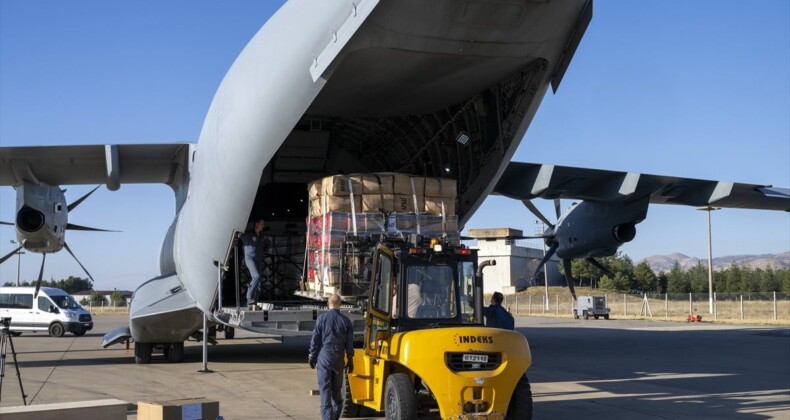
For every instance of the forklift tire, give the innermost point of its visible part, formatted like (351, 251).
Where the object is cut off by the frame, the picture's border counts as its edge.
(520, 406)
(586, 315)
(400, 400)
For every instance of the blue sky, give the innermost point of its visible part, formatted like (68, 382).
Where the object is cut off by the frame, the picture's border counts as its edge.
(697, 89)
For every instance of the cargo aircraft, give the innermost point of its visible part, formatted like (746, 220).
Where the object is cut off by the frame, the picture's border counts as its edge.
(427, 88)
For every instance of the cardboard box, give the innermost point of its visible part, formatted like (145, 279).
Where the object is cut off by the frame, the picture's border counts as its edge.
(376, 184)
(405, 203)
(373, 203)
(338, 185)
(407, 184)
(441, 187)
(186, 409)
(434, 205)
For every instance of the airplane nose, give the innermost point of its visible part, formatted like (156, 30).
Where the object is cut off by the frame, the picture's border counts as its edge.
(29, 220)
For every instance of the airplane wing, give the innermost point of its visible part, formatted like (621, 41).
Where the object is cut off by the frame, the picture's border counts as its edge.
(524, 181)
(94, 164)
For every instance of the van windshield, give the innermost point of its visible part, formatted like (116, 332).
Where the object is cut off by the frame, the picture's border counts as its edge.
(65, 302)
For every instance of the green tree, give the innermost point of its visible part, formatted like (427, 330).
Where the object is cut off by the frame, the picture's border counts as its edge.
(784, 276)
(677, 281)
(74, 284)
(618, 283)
(698, 278)
(116, 297)
(97, 298)
(645, 280)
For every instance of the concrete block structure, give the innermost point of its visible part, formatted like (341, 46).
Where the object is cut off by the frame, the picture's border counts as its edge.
(514, 263)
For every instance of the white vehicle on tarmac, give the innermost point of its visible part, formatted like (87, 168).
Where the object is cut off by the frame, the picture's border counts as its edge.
(53, 311)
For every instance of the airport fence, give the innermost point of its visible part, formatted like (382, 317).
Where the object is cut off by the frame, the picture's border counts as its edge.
(772, 307)
(107, 308)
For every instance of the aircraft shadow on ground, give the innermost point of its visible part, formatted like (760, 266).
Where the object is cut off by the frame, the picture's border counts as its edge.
(616, 373)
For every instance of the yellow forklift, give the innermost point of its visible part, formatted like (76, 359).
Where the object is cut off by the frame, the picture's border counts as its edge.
(425, 345)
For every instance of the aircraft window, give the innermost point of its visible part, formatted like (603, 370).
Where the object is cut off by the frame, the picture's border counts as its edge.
(8, 300)
(58, 207)
(55, 229)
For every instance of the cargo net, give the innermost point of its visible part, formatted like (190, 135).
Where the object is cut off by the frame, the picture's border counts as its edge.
(350, 214)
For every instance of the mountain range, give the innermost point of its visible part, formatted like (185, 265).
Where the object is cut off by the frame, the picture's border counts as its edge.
(665, 262)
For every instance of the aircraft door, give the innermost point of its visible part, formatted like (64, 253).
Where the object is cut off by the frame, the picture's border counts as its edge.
(377, 325)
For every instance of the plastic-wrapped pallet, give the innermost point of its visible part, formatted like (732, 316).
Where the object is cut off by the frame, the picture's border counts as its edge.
(371, 204)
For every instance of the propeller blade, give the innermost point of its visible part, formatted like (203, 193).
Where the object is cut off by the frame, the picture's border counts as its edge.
(557, 210)
(40, 275)
(65, 245)
(599, 266)
(537, 213)
(6, 223)
(546, 258)
(7, 256)
(74, 205)
(566, 262)
(72, 226)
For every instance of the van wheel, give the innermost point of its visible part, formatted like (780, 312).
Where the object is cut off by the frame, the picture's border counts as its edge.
(400, 403)
(230, 332)
(142, 353)
(56, 329)
(575, 314)
(606, 316)
(520, 406)
(174, 352)
(79, 333)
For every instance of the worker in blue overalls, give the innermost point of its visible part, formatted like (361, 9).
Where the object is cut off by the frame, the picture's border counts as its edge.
(254, 247)
(331, 349)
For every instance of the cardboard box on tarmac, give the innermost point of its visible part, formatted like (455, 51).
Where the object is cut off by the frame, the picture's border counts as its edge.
(186, 409)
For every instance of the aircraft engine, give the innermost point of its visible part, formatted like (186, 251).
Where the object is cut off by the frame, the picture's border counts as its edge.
(624, 233)
(589, 229)
(598, 229)
(41, 217)
(42, 221)
(29, 220)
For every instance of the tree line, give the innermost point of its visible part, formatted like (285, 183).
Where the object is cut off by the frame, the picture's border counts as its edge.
(72, 285)
(625, 277)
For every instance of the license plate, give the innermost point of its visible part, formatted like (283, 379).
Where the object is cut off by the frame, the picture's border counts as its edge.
(476, 358)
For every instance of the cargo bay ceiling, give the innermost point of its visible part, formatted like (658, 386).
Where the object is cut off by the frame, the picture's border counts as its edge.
(448, 101)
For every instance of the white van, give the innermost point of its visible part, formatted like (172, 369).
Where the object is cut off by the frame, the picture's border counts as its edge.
(54, 311)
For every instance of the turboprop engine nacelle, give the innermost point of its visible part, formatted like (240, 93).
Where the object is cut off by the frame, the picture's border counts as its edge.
(41, 217)
(597, 229)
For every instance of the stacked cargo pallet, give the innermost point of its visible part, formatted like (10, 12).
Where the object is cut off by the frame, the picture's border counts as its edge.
(366, 205)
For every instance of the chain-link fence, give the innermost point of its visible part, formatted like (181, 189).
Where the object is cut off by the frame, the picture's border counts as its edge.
(754, 307)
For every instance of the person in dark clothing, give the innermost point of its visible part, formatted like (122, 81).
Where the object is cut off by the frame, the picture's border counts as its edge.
(331, 349)
(496, 315)
(254, 247)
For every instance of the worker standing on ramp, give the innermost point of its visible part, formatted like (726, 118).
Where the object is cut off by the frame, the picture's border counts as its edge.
(331, 345)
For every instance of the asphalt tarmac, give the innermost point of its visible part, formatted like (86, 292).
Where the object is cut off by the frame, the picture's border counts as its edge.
(593, 369)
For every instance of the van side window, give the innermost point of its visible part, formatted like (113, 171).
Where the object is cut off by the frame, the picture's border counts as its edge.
(17, 301)
(43, 304)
